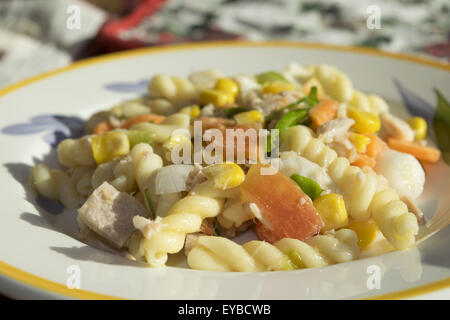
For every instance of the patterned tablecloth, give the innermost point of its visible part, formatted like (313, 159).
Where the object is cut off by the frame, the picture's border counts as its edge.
(34, 36)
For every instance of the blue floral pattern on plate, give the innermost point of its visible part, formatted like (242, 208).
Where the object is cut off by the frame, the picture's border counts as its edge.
(415, 104)
(60, 127)
(139, 87)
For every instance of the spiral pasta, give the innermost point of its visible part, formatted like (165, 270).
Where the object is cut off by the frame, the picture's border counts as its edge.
(130, 108)
(74, 153)
(162, 106)
(55, 185)
(220, 254)
(144, 161)
(165, 202)
(164, 130)
(233, 214)
(118, 172)
(185, 216)
(368, 102)
(175, 89)
(330, 187)
(339, 86)
(359, 186)
(82, 179)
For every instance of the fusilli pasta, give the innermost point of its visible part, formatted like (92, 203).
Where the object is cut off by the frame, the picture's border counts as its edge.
(221, 254)
(55, 185)
(233, 214)
(118, 172)
(74, 153)
(359, 188)
(175, 89)
(339, 86)
(164, 130)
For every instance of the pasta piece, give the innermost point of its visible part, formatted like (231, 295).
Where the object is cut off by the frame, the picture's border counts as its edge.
(234, 214)
(43, 181)
(391, 214)
(360, 188)
(74, 153)
(339, 86)
(144, 161)
(368, 102)
(220, 254)
(118, 172)
(185, 216)
(130, 109)
(205, 79)
(55, 185)
(162, 106)
(336, 83)
(164, 130)
(165, 202)
(174, 89)
(82, 179)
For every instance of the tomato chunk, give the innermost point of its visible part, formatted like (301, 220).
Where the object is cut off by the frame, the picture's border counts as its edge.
(285, 210)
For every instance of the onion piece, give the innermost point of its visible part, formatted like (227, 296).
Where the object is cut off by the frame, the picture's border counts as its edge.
(172, 178)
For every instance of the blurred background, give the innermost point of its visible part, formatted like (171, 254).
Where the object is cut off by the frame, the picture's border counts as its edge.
(41, 35)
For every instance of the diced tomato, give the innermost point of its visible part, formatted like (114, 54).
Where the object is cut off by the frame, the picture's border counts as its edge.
(286, 211)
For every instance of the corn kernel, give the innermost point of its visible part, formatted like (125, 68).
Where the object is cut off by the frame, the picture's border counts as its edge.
(360, 141)
(419, 126)
(248, 117)
(216, 97)
(110, 145)
(277, 87)
(228, 86)
(331, 208)
(365, 122)
(366, 232)
(192, 111)
(225, 175)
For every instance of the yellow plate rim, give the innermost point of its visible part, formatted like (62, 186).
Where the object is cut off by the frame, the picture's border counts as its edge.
(48, 285)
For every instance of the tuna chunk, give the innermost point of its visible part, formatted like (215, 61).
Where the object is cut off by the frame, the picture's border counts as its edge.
(110, 213)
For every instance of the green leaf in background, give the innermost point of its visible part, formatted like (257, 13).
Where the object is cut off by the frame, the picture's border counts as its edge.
(270, 76)
(441, 123)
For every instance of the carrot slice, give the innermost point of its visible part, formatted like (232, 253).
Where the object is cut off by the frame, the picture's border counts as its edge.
(325, 111)
(420, 152)
(364, 161)
(284, 209)
(375, 146)
(155, 118)
(102, 127)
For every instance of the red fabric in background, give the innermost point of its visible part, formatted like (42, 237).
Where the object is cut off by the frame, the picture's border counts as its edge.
(109, 36)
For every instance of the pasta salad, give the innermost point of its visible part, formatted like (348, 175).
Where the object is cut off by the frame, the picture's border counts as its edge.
(321, 172)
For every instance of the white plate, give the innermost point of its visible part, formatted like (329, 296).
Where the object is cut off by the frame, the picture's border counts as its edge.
(37, 247)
